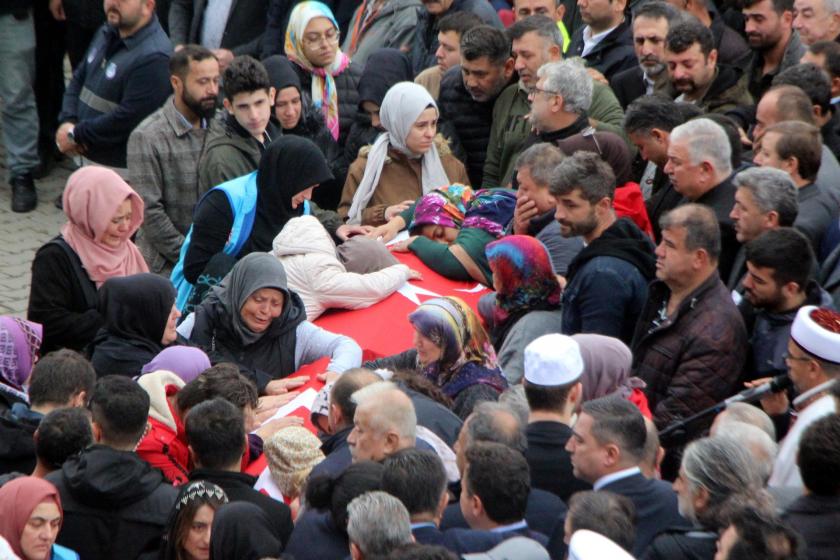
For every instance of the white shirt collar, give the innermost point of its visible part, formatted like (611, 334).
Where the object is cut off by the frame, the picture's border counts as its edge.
(612, 477)
(590, 41)
(522, 524)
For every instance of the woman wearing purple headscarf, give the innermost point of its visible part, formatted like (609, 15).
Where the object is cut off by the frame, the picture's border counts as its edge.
(20, 341)
(187, 362)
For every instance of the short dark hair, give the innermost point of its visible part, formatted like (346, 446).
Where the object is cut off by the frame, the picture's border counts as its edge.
(547, 397)
(120, 407)
(652, 111)
(787, 252)
(802, 141)
(459, 22)
(587, 172)
(325, 492)
(59, 376)
(811, 79)
(483, 425)
(779, 6)
(685, 33)
(62, 433)
(220, 381)
(216, 433)
(342, 390)
(617, 420)
(702, 230)
(763, 536)
(605, 513)
(484, 40)
(416, 477)
(819, 456)
(657, 10)
(500, 477)
(543, 26)
(831, 51)
(244, 74)
(793, 103)
(179, 62)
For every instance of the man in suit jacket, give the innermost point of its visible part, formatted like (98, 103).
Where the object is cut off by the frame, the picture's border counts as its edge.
(651, 22)
(605, 42)
(610, 462)
(234, 32)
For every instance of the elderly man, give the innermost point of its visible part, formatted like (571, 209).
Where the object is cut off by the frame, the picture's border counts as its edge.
(607, 444)
(377, 523)
(690, 341)
(713, 471)
(536, 41)
(384, 422)
(765, 199)
(816, 20)
(651, 21)
(699, 166)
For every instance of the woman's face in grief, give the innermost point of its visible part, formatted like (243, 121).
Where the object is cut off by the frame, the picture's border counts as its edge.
(438, 233)
(320, 42)
(287, 107)
(196, 542)
(40, 531)
(298, 199)
(261, 308)
(427, 351)
(169, 332)
(117, 231)
(422, 133)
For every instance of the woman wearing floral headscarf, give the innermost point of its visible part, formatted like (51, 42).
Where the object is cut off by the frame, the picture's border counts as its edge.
(407, 161)
(527, 299)
(453, 351)
(312, 43)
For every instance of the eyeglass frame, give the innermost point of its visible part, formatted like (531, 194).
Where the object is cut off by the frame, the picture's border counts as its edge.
(323, 37)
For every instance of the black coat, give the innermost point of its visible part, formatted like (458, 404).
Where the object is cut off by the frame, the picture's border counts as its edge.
(317, 538)
(550, 463)
(683, 544)
(347, 89)
(62, 298)
(721, 199)
(243, 31)
(239, 487)
(613, 54)
(465, 123)
(543, 512)
(656, 507)
(817, 519)
(17, 446)
(115, 505)
(628, 85)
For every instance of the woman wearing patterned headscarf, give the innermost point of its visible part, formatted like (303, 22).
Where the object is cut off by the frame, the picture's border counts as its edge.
(450, 228)
(19, 344)
(312, 43)
(190, 522)
(527, 299)
(407, 161)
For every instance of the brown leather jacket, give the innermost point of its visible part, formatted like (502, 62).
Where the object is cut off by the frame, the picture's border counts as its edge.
(693, 359)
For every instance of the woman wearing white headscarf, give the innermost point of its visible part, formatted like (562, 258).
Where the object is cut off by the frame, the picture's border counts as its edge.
(407, 161)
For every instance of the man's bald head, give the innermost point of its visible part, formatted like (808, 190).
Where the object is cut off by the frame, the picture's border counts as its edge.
(492, 422)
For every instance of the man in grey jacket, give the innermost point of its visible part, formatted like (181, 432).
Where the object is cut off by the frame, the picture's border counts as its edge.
(163, 154)
(381, 24)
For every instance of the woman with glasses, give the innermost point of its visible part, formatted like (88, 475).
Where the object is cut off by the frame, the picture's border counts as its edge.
(312, 44)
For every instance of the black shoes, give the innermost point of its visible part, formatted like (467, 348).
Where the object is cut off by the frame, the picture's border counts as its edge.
(24, 197)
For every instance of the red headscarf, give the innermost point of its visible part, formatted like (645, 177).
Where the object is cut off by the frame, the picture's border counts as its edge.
(91, 198)
(18, 498)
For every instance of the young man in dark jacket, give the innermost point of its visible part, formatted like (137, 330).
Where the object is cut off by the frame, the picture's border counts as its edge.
(606, 283)
(105, 515)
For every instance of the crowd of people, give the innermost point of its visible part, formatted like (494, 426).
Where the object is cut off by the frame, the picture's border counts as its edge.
(646, 193)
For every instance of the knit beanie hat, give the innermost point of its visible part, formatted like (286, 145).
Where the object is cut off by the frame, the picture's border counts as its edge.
(292, 453)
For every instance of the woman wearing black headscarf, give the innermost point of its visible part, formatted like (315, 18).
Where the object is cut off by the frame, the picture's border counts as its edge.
(295, 114)
(140, 318)
(252, 319)
(384, 68)
(244, 215)
(243, 531)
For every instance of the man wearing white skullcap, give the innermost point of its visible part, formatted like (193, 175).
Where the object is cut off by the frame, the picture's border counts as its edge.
(813, 361)
(589, 545)
(553, 366)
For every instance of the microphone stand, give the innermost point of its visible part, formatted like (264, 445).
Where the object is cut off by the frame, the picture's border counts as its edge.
(676, 433)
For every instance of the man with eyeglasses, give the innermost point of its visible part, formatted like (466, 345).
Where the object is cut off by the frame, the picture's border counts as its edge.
(813, 363)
